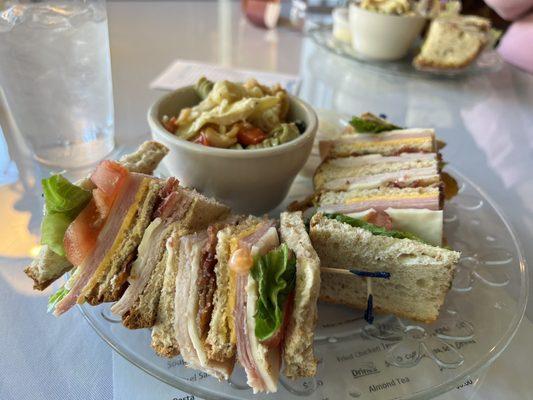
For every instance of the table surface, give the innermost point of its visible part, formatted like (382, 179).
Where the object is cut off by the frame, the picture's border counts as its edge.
(487, 121)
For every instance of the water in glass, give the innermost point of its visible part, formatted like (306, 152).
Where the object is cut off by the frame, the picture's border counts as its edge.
(56, 74)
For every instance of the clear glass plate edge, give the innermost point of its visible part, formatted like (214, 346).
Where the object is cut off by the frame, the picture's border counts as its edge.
(314, 34)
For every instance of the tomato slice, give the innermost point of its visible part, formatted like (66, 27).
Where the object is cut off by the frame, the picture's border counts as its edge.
(80, 237)
(109, 177)
(251, 135)
(103, 203)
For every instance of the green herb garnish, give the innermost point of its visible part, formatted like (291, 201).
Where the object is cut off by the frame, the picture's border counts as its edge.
(369, 123)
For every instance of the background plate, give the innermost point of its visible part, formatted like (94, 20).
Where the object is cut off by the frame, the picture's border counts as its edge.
(488, 61)
(394, 358)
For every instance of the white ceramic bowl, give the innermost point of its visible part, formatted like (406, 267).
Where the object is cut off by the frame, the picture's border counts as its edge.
(383, 36)
(249, 181)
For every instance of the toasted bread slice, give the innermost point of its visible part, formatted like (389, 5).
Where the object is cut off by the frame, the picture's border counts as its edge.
(298, 352)
(453, 42)
(421, 274)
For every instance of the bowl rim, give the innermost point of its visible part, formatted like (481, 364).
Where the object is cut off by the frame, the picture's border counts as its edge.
(157, 127)
(379, 15)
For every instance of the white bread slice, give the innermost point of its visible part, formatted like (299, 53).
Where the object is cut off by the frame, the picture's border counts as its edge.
(48, 266)
(163, 337)
(298, 353)
(453, 42)
(421, 274)
(348, 167)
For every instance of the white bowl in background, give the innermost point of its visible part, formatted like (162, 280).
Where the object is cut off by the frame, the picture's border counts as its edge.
(341, 26)
(249, 181)
(383, 36)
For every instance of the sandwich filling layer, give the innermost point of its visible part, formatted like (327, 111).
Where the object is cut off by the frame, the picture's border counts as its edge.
(356, 201)
(403, 178)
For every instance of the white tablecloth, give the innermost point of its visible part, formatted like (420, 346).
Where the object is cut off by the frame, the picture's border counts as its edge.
(43, 357)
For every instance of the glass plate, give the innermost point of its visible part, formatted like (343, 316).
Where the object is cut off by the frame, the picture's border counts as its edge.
(394, 358)
(488, 60)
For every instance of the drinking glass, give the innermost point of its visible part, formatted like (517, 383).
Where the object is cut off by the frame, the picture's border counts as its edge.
(55, 72)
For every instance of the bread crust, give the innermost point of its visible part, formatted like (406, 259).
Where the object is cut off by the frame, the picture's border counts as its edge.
(298, 352)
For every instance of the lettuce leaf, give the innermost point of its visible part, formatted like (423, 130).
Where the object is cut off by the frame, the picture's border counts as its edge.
(63, 202)
(374, 229)
(56, 298)
(369, 123)
(275, 274)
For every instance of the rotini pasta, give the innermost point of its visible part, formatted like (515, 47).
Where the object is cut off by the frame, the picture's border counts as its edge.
(235, 116)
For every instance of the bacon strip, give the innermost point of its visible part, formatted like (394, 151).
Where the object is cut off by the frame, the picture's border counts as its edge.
(207, 280)
(403, 178)
(105, 241)
(381, 204)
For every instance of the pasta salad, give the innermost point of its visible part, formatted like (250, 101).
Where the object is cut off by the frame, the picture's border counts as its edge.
(235, 115)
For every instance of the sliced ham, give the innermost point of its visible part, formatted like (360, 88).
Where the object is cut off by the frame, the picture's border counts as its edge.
(244, 350)
(403, 178)
(379, 218)
(251, 239)
(430, 202)
(106, 238)
(207, 280)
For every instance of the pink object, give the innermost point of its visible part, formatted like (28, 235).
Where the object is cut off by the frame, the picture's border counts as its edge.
(510, 9)
(515, 45)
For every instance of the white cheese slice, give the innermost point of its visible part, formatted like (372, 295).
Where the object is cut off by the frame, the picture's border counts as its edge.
(426, 224)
